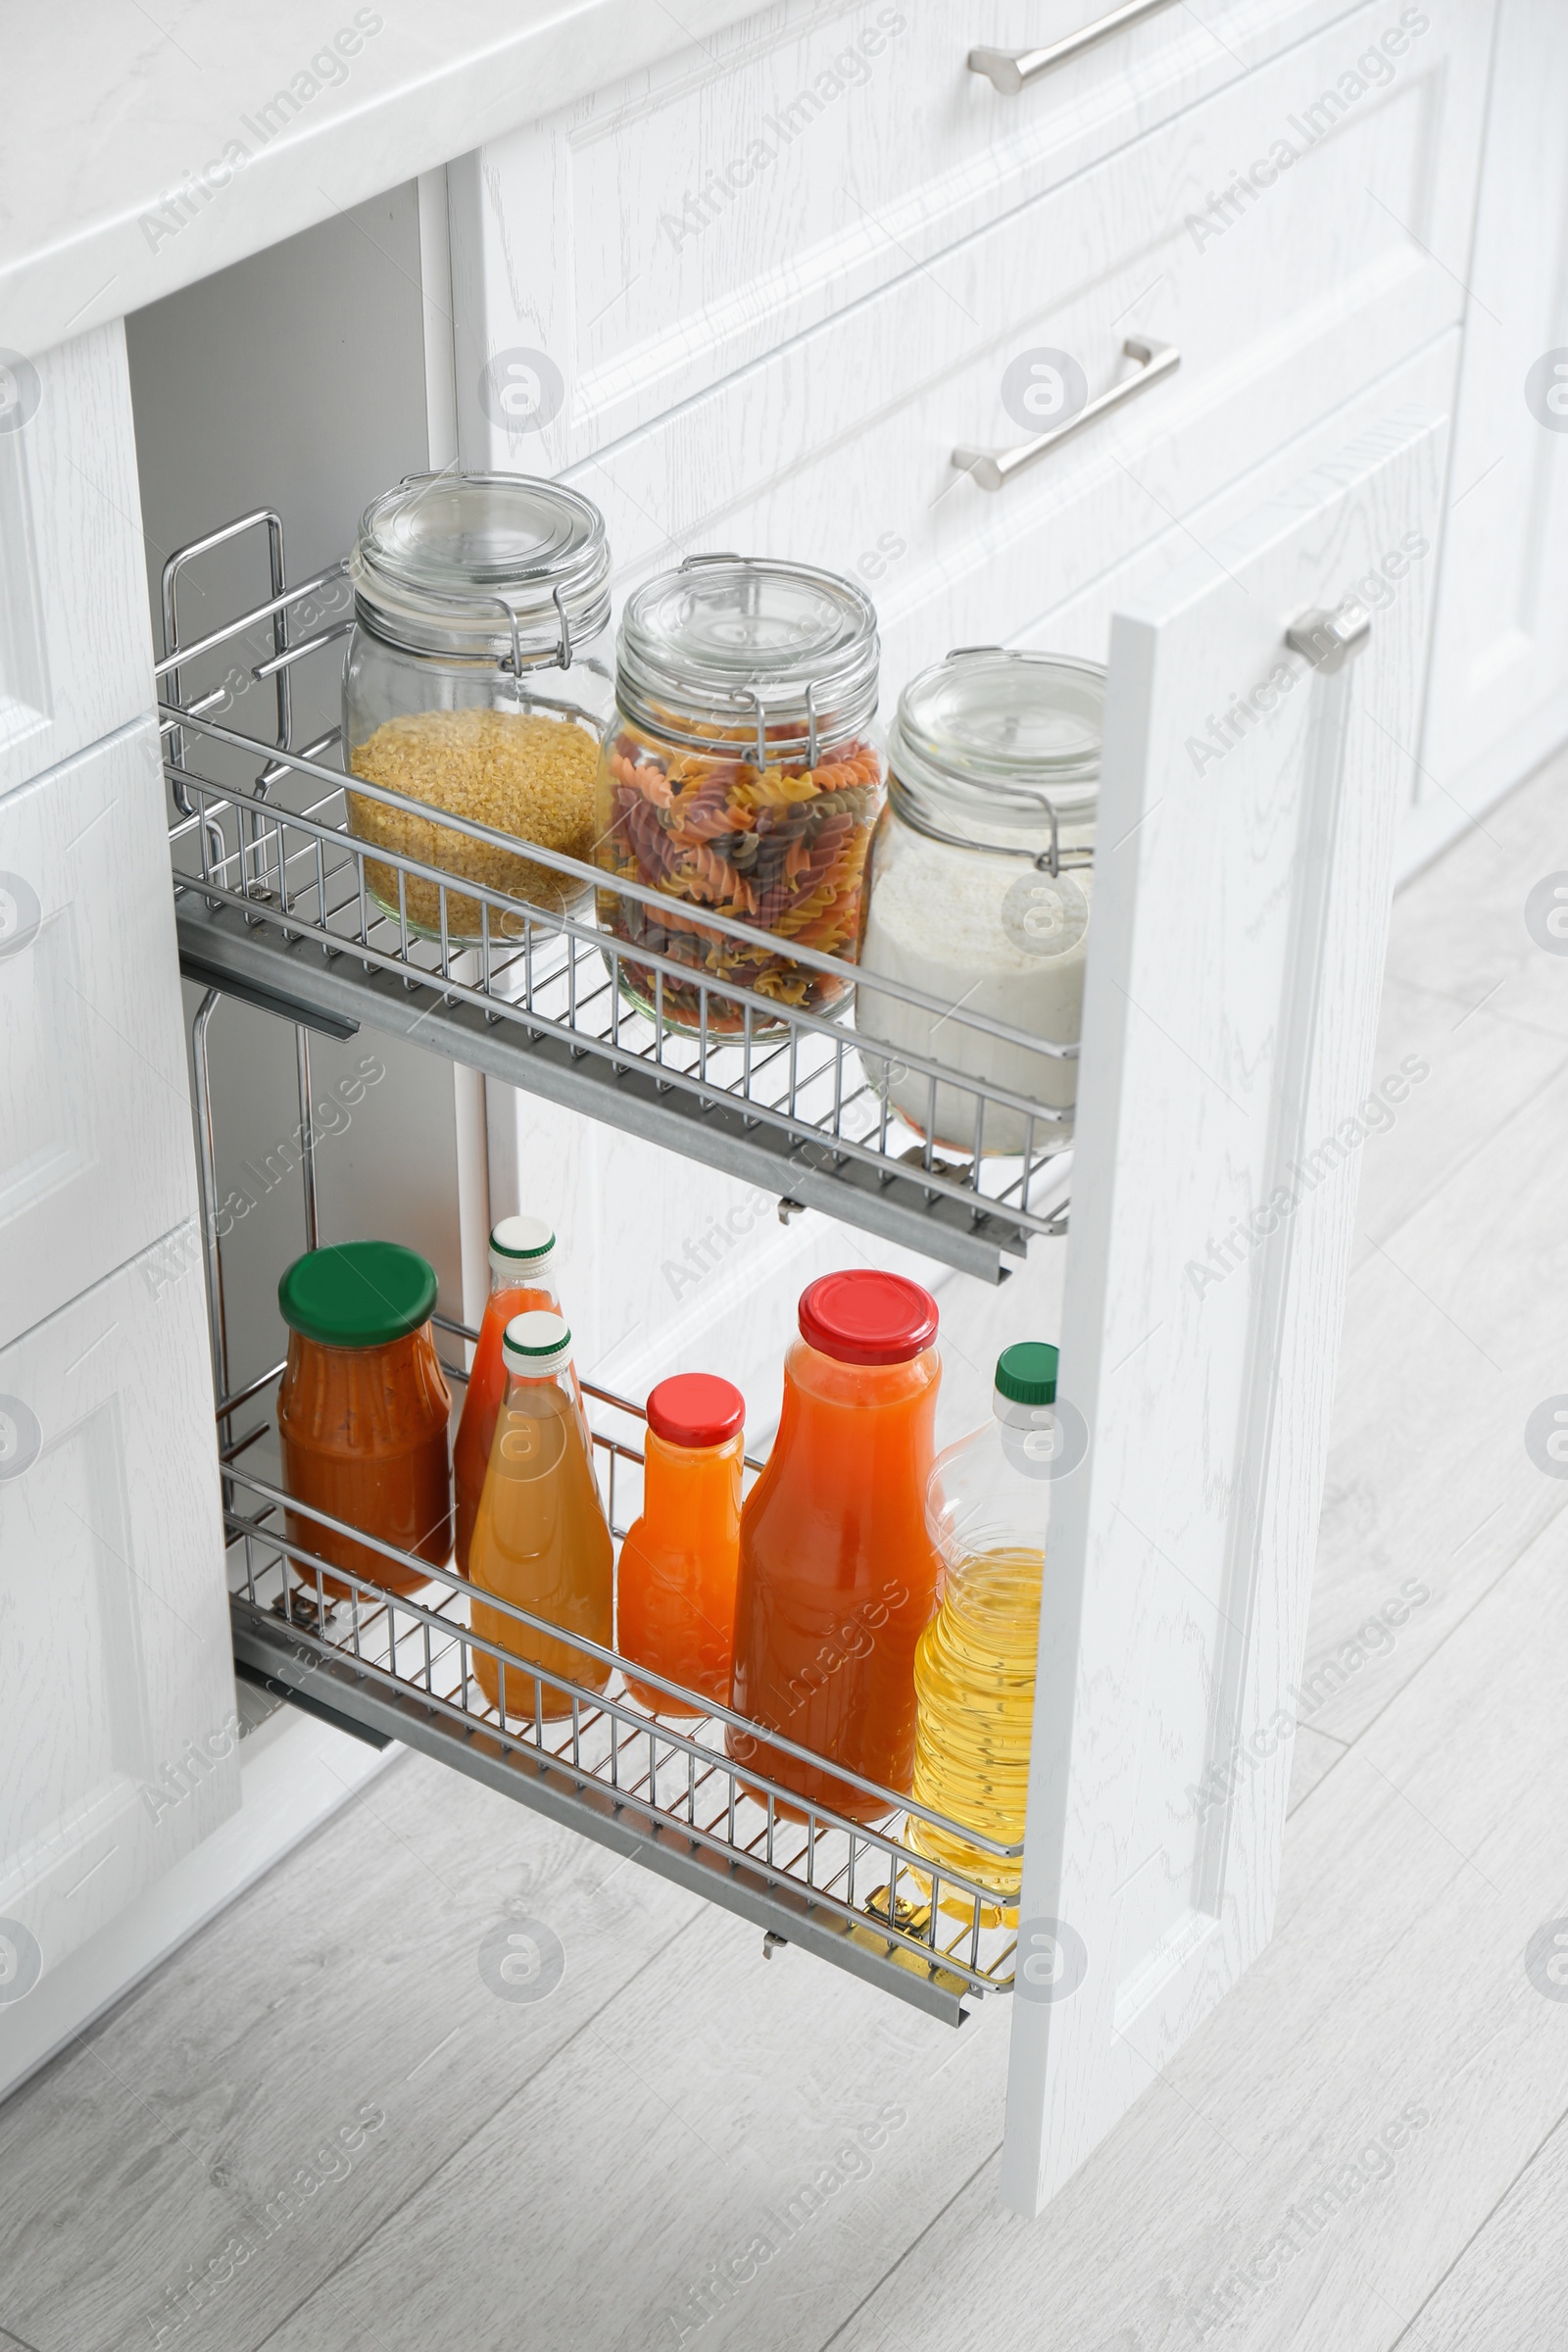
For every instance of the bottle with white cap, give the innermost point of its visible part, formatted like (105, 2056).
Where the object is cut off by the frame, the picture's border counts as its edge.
(541, 1541)
(524, 1259)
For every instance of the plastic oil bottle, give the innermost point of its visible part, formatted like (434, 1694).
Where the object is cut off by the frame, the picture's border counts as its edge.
(987, 1506)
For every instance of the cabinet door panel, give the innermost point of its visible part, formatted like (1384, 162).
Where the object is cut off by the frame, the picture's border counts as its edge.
(116, 1691)
(1240, 907)
(95, 1139)
(1498, 697)
(76, 655)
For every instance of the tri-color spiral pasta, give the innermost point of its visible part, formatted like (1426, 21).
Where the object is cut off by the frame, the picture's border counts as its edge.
(782, 847)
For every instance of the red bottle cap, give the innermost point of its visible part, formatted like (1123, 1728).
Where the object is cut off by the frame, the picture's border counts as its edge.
(696, 1408)
(862, 1317)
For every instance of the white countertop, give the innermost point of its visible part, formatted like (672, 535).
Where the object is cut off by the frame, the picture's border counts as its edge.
(108, 108)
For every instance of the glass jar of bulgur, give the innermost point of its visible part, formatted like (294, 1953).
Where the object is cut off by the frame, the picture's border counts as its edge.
(476, 685)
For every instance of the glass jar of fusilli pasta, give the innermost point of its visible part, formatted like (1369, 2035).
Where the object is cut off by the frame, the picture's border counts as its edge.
(740, 782)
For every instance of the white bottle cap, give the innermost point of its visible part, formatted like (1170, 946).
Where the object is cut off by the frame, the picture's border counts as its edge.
(536, 1342)
(522, 1245)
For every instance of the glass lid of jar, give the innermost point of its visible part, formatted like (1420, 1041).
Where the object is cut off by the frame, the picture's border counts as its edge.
(487, 567)
(1000, 750)
(731, 643)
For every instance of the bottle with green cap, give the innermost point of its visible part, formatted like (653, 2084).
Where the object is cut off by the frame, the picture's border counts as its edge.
(541, 1541)
(987, 1507)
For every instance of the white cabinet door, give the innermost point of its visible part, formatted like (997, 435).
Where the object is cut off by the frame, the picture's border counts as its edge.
(1242, 889)
(117, 1733)
(1499, 699)
(95, 1138)
(75, 651)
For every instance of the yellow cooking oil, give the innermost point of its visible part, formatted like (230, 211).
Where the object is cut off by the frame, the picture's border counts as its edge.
(974, 1683)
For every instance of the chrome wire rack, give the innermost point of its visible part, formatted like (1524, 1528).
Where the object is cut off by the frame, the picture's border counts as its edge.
(274, 903)
(667, 1792)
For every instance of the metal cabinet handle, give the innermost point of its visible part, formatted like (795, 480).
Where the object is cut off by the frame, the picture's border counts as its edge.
(1010, 70)
(1328, 640)
(993, 469)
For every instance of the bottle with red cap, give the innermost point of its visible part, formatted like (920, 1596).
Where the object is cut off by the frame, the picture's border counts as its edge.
(838, 1572)
(676, 1588)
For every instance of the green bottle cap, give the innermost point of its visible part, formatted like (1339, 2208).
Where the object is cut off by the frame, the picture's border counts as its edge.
(537, 1342)
(1026, 1373)
(358, 1293)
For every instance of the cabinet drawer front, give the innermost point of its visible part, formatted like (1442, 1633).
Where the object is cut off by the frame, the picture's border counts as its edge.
(703, 212)
(76, 655)
(839, 449)
(95, 1138)
(117, 1688)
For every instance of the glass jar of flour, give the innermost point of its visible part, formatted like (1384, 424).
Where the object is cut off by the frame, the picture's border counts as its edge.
(980, 890)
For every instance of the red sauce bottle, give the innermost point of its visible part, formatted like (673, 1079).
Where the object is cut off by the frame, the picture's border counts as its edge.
(838, 1573)
(675, 1586)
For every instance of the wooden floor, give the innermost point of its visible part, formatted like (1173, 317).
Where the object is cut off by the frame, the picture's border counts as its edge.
(319, 2129)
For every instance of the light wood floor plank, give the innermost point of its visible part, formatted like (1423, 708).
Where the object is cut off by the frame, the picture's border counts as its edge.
(731, 2153)
(1480, 1068)
(1459, 929)
(1449, 1342)
(183, 2138)
(1313, 1754)
(1506, 2291)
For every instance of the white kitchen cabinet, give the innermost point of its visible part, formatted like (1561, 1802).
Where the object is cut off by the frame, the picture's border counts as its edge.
(838, 446)
(788, 368)
(714, 207)
(95, 1158)
(118, 1732)
(1499, 696)
(75, 651)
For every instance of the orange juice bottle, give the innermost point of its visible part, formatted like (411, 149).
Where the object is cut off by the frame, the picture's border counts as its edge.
(838, 1572)
(675, 1589)
(541, 1540)
(523, 1278)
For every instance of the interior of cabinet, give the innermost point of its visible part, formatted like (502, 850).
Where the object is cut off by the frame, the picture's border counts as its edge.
(296, 380)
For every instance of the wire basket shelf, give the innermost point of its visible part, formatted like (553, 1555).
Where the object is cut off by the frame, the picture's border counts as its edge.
(667, 1791)
(274, 901)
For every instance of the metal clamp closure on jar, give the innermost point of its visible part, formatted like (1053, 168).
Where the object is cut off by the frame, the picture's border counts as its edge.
(440, 554)
(689, 665)
(914, 756)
